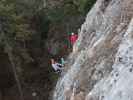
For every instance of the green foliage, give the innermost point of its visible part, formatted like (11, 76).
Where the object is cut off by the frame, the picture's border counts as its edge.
(89, 5)
(25, 21)
(55, 15)
(13, 24)
(53, 76)
(42, 22)
(84, 5)
(68, 9)
(16, 19)
(15, 16)
(60, 14)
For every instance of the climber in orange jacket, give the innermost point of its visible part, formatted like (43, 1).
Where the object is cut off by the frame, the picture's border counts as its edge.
(73, 38)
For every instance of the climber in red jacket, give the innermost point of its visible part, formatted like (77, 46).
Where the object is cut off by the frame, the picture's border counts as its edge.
(73, 38)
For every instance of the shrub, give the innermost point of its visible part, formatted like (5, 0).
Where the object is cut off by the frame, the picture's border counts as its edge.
(84, 5)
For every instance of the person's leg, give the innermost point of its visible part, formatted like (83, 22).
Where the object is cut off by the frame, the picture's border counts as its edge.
(58, 71)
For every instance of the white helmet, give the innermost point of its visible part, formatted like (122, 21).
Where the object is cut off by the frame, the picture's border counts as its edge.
(72, 33)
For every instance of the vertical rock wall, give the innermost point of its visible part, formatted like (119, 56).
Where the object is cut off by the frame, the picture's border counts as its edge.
(101, 62)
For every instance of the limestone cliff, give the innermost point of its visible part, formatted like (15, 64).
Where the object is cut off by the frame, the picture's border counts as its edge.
(101, 64)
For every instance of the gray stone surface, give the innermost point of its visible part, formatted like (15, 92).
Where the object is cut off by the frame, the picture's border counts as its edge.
(102, 58)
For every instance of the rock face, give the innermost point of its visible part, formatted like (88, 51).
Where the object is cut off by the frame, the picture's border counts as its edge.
(102, 58)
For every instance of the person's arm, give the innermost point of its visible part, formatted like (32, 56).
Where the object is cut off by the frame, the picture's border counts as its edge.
(54, 67)
(59, 64)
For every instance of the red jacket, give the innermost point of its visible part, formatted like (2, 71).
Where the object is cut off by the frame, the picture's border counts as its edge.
(73, 38)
